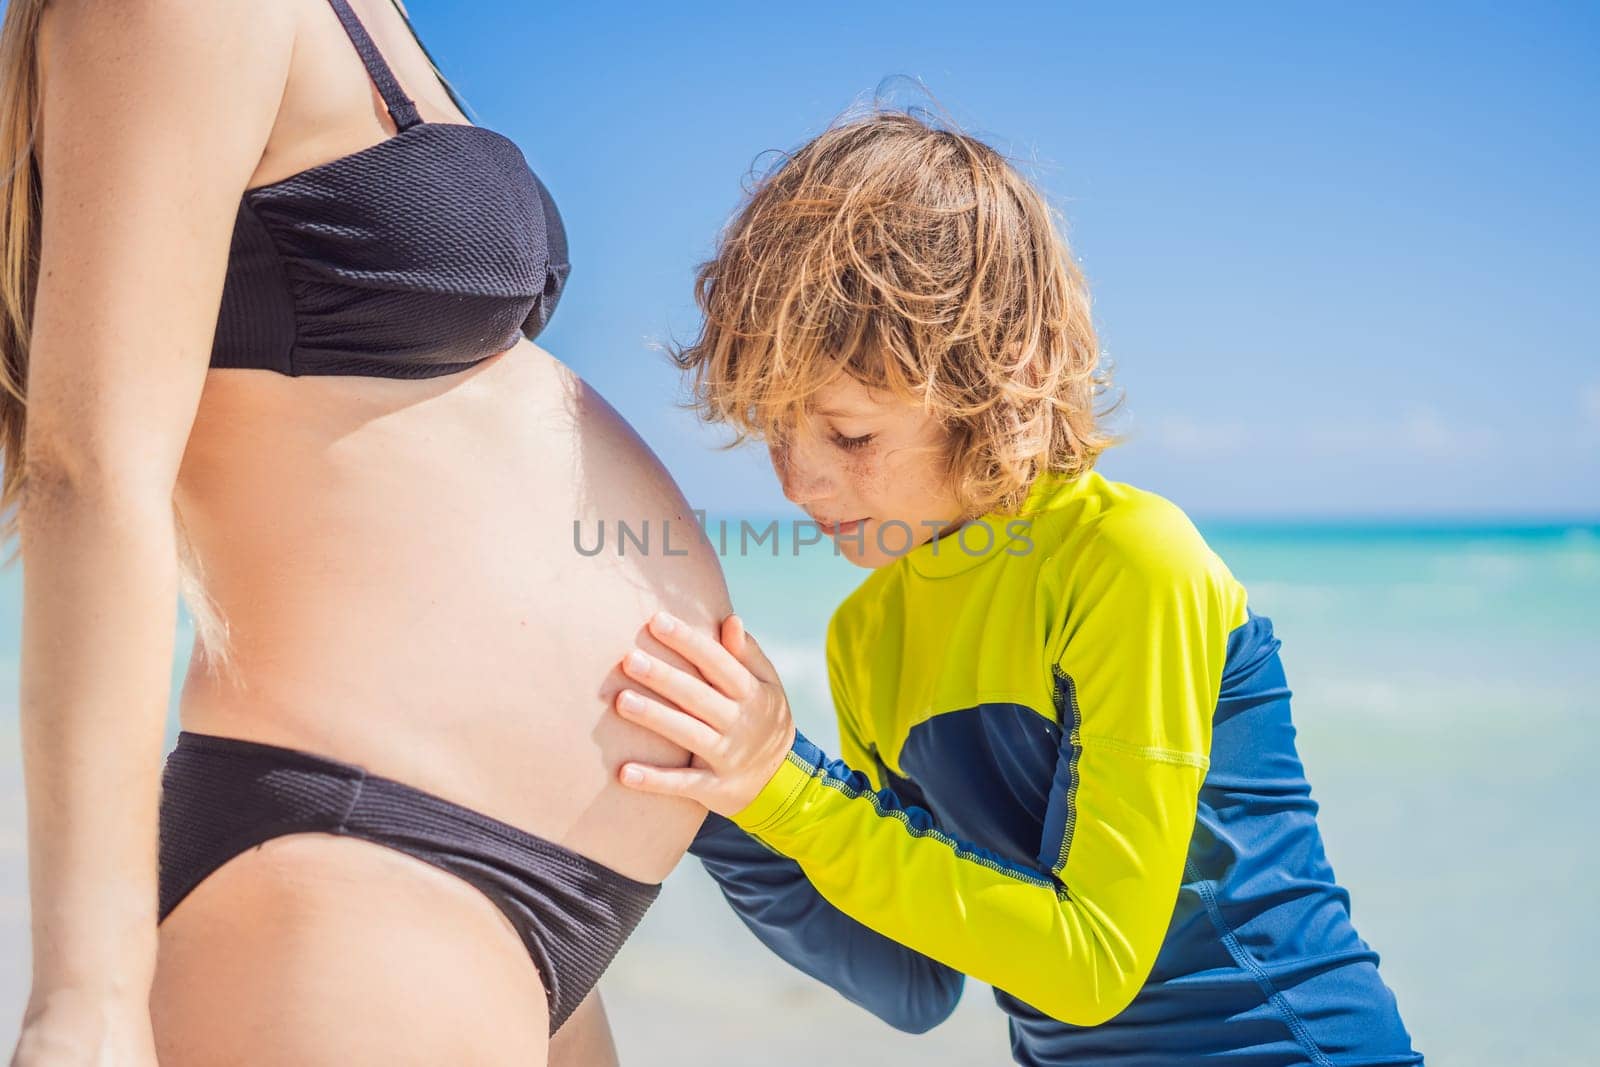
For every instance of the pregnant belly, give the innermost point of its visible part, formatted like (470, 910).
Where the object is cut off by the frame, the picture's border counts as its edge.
(408, 573)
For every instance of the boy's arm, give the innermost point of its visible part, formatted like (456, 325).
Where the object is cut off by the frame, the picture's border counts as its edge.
(783, 909)
(780, 906)
(1074, 935)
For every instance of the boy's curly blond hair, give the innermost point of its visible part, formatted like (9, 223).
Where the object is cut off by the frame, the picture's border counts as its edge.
(915, 259)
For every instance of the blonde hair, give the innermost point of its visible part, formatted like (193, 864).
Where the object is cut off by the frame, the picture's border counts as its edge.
(917, 260)
(20, 207)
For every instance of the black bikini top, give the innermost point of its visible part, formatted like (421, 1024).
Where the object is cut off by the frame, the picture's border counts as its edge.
(417, 256)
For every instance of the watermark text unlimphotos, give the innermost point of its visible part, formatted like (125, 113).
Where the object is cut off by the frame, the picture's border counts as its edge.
(893, 537)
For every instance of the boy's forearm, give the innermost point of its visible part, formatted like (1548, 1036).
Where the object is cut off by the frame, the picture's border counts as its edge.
(773, 898)
(1079, 956)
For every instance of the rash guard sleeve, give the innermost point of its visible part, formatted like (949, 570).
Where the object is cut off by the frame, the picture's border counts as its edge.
(775, 900)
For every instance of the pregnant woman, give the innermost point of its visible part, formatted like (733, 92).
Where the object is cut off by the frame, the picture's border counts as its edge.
(269, 307)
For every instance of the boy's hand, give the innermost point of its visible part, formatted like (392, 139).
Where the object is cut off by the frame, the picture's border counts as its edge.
(734, 718)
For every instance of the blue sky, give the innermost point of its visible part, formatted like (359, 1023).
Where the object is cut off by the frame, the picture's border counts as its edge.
(1343, 256)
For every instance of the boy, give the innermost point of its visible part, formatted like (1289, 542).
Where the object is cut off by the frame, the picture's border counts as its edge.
(1068, 761)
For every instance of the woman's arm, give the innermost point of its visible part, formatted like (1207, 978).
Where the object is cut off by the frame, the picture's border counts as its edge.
(1138, 660)
(154, 115)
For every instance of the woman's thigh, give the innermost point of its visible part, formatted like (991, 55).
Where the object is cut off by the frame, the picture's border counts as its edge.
(584, 1040)
(319, 950)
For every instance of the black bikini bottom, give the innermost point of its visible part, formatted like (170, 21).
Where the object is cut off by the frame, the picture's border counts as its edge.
(222, 795)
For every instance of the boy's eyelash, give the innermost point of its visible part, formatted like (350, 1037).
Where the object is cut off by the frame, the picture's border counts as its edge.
(850, 444)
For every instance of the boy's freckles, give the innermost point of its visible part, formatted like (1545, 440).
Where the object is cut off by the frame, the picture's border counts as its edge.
(897, 481)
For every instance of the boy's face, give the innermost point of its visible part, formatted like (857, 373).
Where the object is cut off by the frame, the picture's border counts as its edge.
(869, 469)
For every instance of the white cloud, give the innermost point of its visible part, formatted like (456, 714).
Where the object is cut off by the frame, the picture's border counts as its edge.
(1195, 437)
(1430, 434)
(1589, 408)
(1422, 431)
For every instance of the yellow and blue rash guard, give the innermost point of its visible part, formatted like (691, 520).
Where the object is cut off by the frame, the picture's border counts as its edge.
(1068, 770)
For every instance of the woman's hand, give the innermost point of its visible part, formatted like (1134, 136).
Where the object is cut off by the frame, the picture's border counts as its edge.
(71, 1028)
(734, 717)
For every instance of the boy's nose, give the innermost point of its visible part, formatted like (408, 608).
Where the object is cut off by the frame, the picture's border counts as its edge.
(802, 479)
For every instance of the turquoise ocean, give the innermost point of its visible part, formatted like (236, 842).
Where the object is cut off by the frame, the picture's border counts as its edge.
(1444, 679)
